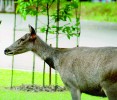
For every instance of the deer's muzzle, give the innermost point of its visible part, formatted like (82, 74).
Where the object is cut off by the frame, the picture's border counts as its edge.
(8, 52)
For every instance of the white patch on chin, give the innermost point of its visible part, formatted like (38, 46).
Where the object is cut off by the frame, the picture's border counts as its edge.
(9, 54)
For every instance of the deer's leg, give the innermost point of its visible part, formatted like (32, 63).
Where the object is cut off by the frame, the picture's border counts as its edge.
(110, 90)
(112, 93)
(75, 93)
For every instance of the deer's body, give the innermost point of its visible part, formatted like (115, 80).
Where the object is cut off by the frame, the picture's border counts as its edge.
(82, 69)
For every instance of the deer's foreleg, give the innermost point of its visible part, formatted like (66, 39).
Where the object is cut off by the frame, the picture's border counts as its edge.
(76, 94)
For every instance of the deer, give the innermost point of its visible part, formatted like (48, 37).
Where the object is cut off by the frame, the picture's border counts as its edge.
(90, 70)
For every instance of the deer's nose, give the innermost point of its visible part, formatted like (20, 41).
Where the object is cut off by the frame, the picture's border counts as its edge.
(6, 51)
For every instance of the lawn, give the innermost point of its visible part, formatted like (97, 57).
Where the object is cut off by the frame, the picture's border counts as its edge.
(99, 11)
(19, 95)
(23, 77)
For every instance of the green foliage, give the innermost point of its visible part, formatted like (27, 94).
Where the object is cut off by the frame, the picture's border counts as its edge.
(27, 7)
(66, 11)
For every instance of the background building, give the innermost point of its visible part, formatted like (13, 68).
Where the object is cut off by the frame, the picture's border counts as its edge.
(6, 5)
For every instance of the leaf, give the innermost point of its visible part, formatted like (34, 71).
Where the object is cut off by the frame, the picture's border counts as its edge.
(75, 3)
(31, 2)
(77, 34)
(68, 36)
(43, 29)
(54, 26)
(69, 18)
(51, 32)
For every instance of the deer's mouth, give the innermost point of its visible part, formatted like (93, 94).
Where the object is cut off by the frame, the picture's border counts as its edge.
(8, 52)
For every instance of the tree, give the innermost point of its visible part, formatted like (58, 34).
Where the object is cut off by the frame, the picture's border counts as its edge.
(64, 12)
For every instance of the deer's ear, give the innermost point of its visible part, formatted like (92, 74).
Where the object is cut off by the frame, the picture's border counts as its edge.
(32, 31)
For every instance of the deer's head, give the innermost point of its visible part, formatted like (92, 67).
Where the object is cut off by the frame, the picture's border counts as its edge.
(23, 44)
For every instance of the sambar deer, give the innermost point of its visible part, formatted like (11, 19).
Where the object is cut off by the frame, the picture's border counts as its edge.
(82, 69)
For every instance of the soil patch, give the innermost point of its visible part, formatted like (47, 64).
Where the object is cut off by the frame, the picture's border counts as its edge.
(36, 88)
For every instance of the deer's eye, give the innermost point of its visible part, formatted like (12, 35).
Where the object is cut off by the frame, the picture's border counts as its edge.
(22, 39)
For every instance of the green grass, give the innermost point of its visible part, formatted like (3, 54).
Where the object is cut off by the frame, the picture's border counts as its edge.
(19, 95)
(99, 11)
(22, 77)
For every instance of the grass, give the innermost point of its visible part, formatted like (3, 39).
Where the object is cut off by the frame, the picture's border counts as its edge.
(23, 77)
(19, 95)
(99, 11)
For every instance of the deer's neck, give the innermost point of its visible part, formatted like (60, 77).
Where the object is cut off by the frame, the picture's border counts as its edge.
(44, 51)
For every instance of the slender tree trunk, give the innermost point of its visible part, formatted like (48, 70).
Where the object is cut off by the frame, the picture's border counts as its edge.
(14, 32)
(33, 70)
(57, 34)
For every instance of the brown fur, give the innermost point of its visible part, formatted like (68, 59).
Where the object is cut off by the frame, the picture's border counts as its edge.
(111, 76)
